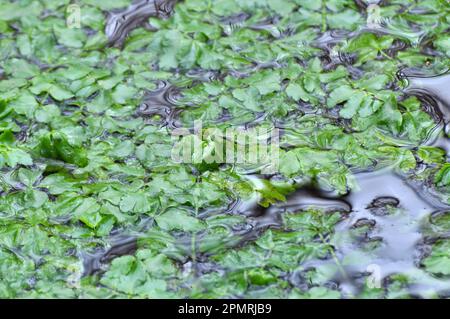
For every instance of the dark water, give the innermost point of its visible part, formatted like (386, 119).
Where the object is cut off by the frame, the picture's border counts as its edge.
(396, 210)
(120, 24)
(234, 22)
(203, 75)
(332, 37)
(162, 102)
(119, 246)
(269, 26)
(391, 209)
(431, 88)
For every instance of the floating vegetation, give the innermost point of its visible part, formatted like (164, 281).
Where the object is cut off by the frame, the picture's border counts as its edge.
(333, 116)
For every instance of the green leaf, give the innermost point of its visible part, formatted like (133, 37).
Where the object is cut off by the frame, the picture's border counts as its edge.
(339, 95)
(122, 93)
(21, 69)
(15, 156)
(346, 19)
(25, 104)
(260, 277)
(442, 177)
(438, 262)
(266, 82)
(296, 92)
(178, 220)
(55, 145)
(7, 137)
(430, 154)
(369, 45)
(72, 38)
(59, 93)
(137, 203)
(352, 105)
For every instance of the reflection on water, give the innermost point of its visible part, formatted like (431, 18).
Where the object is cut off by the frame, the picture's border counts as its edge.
(383, 226)
(120, 24)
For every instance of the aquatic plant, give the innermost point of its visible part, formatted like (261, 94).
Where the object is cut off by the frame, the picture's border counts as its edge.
(93, 205)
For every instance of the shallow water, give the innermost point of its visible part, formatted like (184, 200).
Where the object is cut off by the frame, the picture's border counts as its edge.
(434, 88)
(399, 232)
(162, 102)
(392, 210)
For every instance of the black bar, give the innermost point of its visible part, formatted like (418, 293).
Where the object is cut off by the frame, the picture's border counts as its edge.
(261, 308)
